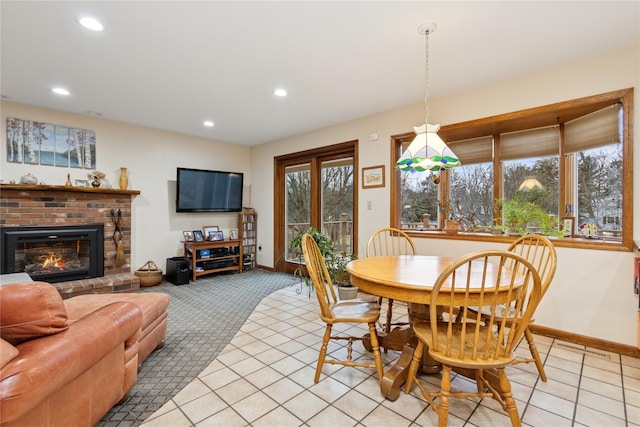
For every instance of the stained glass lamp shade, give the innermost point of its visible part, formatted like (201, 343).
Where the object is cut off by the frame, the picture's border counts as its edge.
(427, 152)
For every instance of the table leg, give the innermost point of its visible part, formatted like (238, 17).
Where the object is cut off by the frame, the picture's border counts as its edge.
(402, 339)
(397, 374)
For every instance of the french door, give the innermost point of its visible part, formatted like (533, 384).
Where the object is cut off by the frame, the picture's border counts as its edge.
(315, 188)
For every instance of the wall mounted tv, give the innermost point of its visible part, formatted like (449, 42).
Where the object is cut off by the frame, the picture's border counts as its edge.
(200, 190)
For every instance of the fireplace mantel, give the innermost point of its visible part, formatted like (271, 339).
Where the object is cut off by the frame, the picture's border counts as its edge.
(70, 188)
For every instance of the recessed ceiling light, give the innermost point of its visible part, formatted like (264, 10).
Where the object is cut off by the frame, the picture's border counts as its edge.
(280, 92)
(60, 91)
(91, 23)
(208, 123)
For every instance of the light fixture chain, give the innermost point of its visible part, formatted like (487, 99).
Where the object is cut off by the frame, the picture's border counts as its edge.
(426, 76)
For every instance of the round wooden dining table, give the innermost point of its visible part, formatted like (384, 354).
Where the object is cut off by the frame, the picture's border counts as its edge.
(408, 278)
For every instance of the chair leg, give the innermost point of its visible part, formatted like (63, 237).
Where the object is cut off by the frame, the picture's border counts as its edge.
(443, 397)
(387, 326)
(323, 352)
(510, 403)
(413, 368)
(375, 346)
(536, 356)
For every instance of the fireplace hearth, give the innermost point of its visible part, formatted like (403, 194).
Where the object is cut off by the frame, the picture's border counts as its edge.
(53, 253)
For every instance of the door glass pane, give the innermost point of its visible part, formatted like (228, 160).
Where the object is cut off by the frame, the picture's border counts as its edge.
(337, 203)
(419, 197)
(531, 191)
(297, 205)
(600, 192)
(471, 195)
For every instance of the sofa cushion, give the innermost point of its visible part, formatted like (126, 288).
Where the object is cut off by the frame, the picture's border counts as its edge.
(30, 310)
(7, 352)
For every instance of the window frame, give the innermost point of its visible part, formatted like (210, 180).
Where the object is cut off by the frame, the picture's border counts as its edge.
(315, 157)
(548, 115)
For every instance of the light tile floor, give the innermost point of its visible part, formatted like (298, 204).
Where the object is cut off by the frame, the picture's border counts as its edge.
(264, 377)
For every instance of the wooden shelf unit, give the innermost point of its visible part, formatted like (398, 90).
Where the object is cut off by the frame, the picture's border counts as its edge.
(191, 251)
(247, 224)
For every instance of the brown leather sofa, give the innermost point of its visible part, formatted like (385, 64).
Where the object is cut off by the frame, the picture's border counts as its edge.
(66, 363)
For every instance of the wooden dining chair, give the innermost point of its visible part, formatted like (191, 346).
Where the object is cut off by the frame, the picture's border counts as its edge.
(390, 241)
(474, 346)
(540, 252)
(334, 311)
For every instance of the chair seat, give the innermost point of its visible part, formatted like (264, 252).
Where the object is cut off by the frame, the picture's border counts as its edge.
(422, 330)
(500, 311)
(355, 310)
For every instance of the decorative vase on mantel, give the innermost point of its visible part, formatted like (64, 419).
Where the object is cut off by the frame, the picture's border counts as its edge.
(124, 180)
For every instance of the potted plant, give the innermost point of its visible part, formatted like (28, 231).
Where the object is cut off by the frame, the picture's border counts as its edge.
(522, 217)
(337, 268)
(336, 262)
(325, 244)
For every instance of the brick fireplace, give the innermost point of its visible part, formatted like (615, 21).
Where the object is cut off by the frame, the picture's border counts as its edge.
(50, 205)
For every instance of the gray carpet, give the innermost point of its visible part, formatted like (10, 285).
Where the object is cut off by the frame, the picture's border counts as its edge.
(203, 317)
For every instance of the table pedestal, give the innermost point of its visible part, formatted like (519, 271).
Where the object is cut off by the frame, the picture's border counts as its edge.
(402, 339)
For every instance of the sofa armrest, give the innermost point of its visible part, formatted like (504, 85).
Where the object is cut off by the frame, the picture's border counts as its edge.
(48, 363)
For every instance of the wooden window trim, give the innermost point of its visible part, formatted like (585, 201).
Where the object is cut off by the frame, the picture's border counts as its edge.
(548, 115)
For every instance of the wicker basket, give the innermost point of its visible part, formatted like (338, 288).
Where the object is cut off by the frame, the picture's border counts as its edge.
(149, 274)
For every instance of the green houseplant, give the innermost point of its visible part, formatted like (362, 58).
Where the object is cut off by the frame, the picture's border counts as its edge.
(523, 217)
(336, 262)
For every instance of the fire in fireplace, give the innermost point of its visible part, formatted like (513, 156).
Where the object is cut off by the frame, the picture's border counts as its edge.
(53, 253)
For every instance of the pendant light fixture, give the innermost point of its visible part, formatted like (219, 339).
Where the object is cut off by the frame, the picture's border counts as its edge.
(427, 151)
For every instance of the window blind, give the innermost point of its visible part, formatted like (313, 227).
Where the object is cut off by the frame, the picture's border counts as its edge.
(472, 151)
(540, 142)
(594, 130)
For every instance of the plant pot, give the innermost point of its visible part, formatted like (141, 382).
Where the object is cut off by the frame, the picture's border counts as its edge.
(347, 292)
(451, 226)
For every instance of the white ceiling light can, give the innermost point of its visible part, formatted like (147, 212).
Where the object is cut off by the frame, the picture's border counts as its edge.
(208, 123)
(60, 91)
(91, 23)
(280, 92)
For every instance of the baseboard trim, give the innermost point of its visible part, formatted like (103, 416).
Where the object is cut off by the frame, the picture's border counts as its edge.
(627, 350)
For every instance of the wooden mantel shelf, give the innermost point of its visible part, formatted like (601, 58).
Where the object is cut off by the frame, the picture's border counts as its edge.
(37, 187)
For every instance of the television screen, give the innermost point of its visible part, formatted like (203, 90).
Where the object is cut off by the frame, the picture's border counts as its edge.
(208, 191)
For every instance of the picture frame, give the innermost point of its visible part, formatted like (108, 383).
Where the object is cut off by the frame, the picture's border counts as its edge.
(198, 236)
(208, 228)
(215, 236)
(187, 235)
(373, 177)
(568, 226)
(233, 234)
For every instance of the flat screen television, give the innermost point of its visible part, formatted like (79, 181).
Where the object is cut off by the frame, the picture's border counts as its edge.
(201, 190)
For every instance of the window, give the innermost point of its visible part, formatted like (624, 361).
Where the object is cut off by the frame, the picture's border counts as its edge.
(569, 159)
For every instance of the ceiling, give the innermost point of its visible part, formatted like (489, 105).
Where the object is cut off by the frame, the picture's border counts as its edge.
(172, 65)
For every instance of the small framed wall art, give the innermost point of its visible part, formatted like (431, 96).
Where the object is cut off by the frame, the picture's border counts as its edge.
(209, 228)
(568, 226)
(198, 236)
(373, 177)
(215, 236)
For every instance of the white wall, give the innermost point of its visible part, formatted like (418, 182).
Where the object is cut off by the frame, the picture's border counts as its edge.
(151, 157)
(592, 293)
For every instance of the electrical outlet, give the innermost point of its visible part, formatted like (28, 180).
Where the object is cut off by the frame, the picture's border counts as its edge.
(369, 205)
